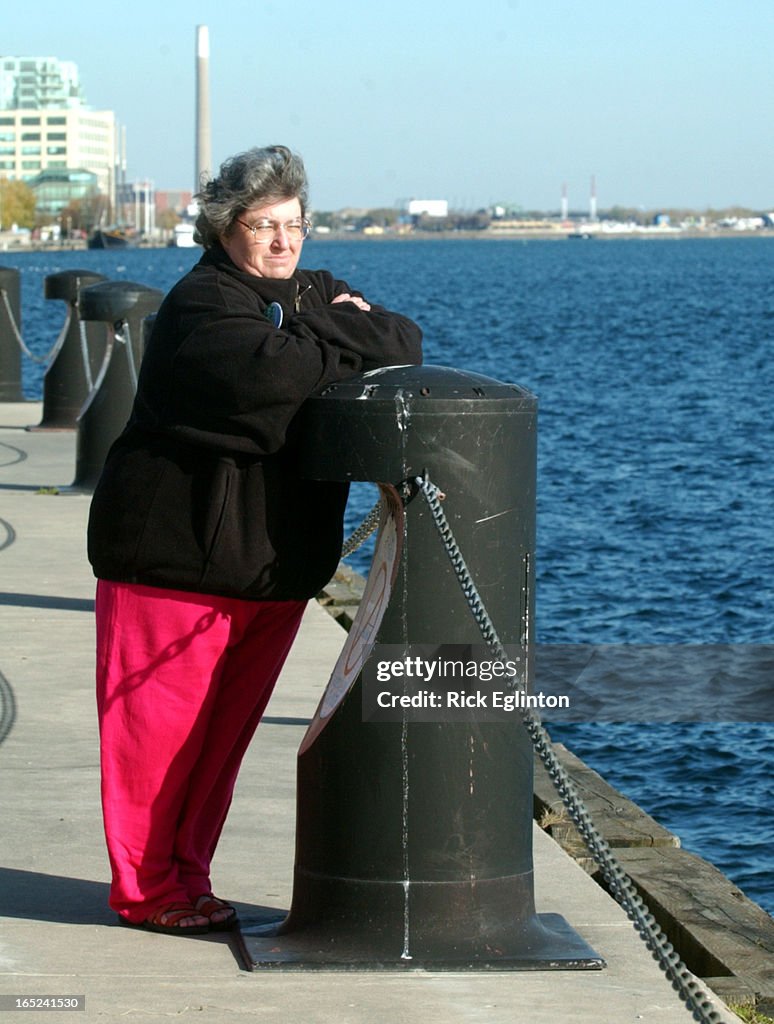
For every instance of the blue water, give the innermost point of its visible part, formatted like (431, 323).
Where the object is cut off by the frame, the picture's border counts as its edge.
(653, 361)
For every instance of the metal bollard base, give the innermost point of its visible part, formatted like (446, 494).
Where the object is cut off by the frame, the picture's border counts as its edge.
(48, 428)
(545, 942)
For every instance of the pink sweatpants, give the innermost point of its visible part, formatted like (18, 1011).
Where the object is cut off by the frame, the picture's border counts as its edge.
(182, 682)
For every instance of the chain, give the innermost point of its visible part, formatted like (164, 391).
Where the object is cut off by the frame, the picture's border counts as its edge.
(364, 531)
(620, 885)
(85, 355)
(17, 333)
(124, 337)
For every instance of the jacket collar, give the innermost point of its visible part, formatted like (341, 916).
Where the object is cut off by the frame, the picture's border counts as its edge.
(269, 289)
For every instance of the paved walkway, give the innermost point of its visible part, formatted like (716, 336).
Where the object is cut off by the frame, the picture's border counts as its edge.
(57, 936)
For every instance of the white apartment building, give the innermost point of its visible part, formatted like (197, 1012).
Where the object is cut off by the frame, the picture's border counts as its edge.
(45, 123)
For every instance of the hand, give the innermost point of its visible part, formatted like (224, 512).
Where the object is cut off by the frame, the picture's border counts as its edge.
(346, 297)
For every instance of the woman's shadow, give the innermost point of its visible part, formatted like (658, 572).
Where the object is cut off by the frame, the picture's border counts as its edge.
(57, 899)
(31, 895)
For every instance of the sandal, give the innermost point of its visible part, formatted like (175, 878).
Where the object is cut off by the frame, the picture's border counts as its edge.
(168, 921)
(208, 905)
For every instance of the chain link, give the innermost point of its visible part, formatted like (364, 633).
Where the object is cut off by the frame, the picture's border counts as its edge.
(620, 885)
(17, 333)
(123, 336)
(364, 531)
(85, 355)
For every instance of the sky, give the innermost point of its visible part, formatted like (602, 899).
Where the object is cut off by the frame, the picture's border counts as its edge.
(665, 103)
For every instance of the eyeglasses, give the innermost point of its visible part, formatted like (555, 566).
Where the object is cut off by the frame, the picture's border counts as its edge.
(266, 230)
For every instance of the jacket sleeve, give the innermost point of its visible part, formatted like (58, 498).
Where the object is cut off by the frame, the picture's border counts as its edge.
(234, 381)
(377, 337)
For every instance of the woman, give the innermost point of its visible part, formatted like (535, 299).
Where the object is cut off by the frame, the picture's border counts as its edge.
(205, 542)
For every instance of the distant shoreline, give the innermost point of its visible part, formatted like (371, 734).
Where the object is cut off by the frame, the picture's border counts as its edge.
(538, 236)
(10, 244)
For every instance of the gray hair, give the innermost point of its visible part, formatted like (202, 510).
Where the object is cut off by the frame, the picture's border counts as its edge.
(260, 175)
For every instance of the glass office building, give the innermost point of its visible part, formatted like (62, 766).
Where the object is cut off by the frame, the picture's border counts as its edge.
(45, 125)
(56, 189)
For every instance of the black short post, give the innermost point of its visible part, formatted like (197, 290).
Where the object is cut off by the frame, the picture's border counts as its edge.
(10, 329)
(122, 305)
(79, 354)
(414, 837)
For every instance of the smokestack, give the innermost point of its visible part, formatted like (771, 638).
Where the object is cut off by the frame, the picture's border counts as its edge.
(565, 207)
(203, 142)
(593, 199)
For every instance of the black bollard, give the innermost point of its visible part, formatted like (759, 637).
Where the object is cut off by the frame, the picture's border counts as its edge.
(78, 355)
(123, 305)
(147, 329)
(414, 837)
(10, 326)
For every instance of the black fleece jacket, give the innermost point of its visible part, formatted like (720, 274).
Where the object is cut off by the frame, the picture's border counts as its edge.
(200, 491)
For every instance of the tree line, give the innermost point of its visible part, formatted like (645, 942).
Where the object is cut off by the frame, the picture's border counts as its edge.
(18, 208)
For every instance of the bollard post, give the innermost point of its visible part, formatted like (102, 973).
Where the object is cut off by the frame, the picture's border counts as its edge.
(10, 326)
(414, 837)
(78, 354)
(122, 305)
(148, 324)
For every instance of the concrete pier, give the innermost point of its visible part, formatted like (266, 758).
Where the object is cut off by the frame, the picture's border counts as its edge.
(57, 935)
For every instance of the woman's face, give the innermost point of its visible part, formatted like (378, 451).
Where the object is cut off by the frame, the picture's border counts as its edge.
(276, 256)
